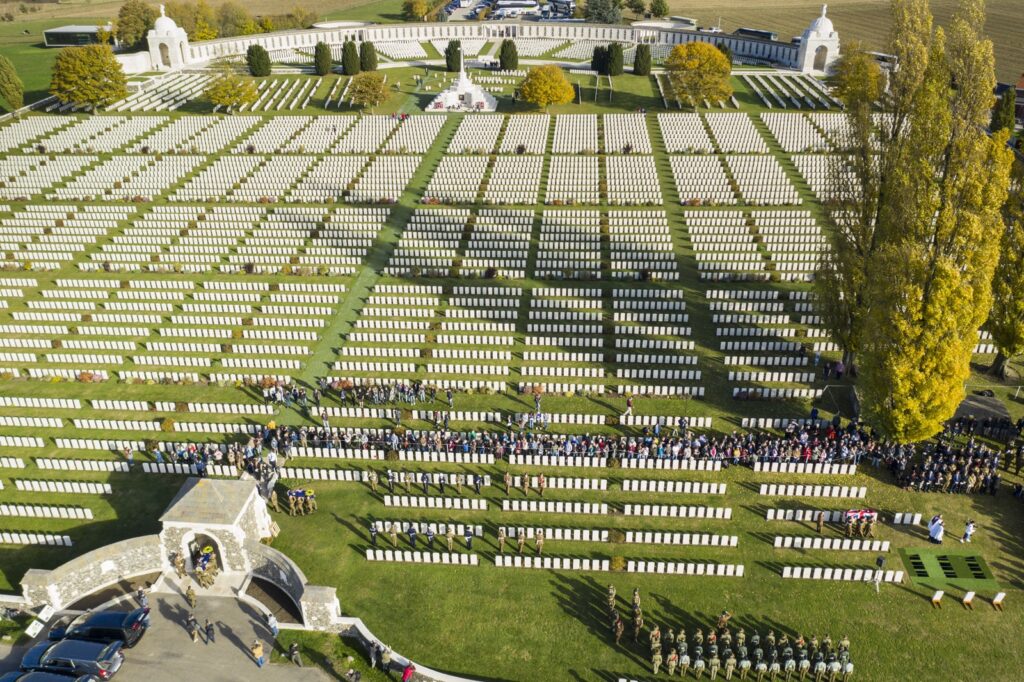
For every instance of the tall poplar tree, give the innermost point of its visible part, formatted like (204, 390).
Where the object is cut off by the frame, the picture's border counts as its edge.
(1006, 319)
(929, 221)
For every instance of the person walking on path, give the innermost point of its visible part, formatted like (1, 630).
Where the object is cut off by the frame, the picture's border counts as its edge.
(190, 597)
(210, 633)
(272, 624)
(257, 653)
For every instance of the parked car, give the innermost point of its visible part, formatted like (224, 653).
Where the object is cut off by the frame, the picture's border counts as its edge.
(127, 627)
(75, 657)
(45, 677)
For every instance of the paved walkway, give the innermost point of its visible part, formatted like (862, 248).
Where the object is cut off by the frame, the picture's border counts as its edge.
(167, 654)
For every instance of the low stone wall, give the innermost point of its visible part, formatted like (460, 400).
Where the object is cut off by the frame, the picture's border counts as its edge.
(91, 572)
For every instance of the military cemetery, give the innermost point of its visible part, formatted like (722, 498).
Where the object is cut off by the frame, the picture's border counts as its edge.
(511, 340)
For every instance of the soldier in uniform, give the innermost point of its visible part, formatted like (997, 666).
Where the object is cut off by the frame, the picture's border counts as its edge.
(844, 643)
(407, 480)
(179, 565)
(273, 501)
(726, 638)
(541, 484)
(723, 620)
(698, 638)
(525, 481)
(425, 481)
(849, 526)
(373, 533)
(442, 479)
(371, 478)
(617, 629)
(714, 663)
(654, 637)
(393, 532)
(821, 522)
(636, 598)
(669, 640)
(611, 596)
(741, 637)
(450, 537)
(291, 505)
(730, 665)
(478, 481)
(468, 534)
(638, 624)
(671, 661)
(869, 528)
(521, 540)
(310, 501)
(656, 661)
(190, 597)
(501, 540)
(508, 482)
(539, 540)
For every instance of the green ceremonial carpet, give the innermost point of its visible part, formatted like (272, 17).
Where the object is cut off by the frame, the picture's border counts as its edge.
(945, 568)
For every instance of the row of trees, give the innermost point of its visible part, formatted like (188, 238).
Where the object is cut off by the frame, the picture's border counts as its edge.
(610, 11)
(201, 22)
(12, 90)
(353, 61)
(924, 246)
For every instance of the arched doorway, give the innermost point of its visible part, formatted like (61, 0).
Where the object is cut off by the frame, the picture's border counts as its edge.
(165, 55)
(194, 549)
(820, 58)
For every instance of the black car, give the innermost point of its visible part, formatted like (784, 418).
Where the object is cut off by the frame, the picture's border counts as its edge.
(104, 626)
(45, 677)
(74, 657)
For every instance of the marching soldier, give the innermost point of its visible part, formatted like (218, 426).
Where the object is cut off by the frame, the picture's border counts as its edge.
(501, 540)
(849, 526)
(190, 597)
(863, 527)
(636, 598)
(521, 540)
(611, 596)
(656, 661)
(393, 532)
(821, 522)
(730, 665)
(741, 637)
(618, 628)
(638, 624)
(541, 484)
(669, 640)
(310, 501)
(273, 501)
(869, 528)
(508, 482)
(407, 480)
(371, 478)
(539, 540)
(291, 505)
(459, 479)
(525, 481)
(671, 662)
(713, 665)
(655, 638)
(449, 536)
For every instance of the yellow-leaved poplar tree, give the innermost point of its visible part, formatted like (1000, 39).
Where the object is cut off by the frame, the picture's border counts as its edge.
(546, 85)
(1006, 319)
(699, 72)
(937, 234)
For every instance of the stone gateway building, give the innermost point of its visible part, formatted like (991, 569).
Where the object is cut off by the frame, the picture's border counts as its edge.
(226, 515)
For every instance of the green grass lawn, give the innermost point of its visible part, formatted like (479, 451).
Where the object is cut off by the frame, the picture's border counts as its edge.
(537, 623)
(22, 42)
(505, 624)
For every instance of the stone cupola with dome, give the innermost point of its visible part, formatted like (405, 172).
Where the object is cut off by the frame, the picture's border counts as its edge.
(168, 44)
(819, 45)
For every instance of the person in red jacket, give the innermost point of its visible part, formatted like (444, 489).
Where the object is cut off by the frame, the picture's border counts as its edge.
(408, 672)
